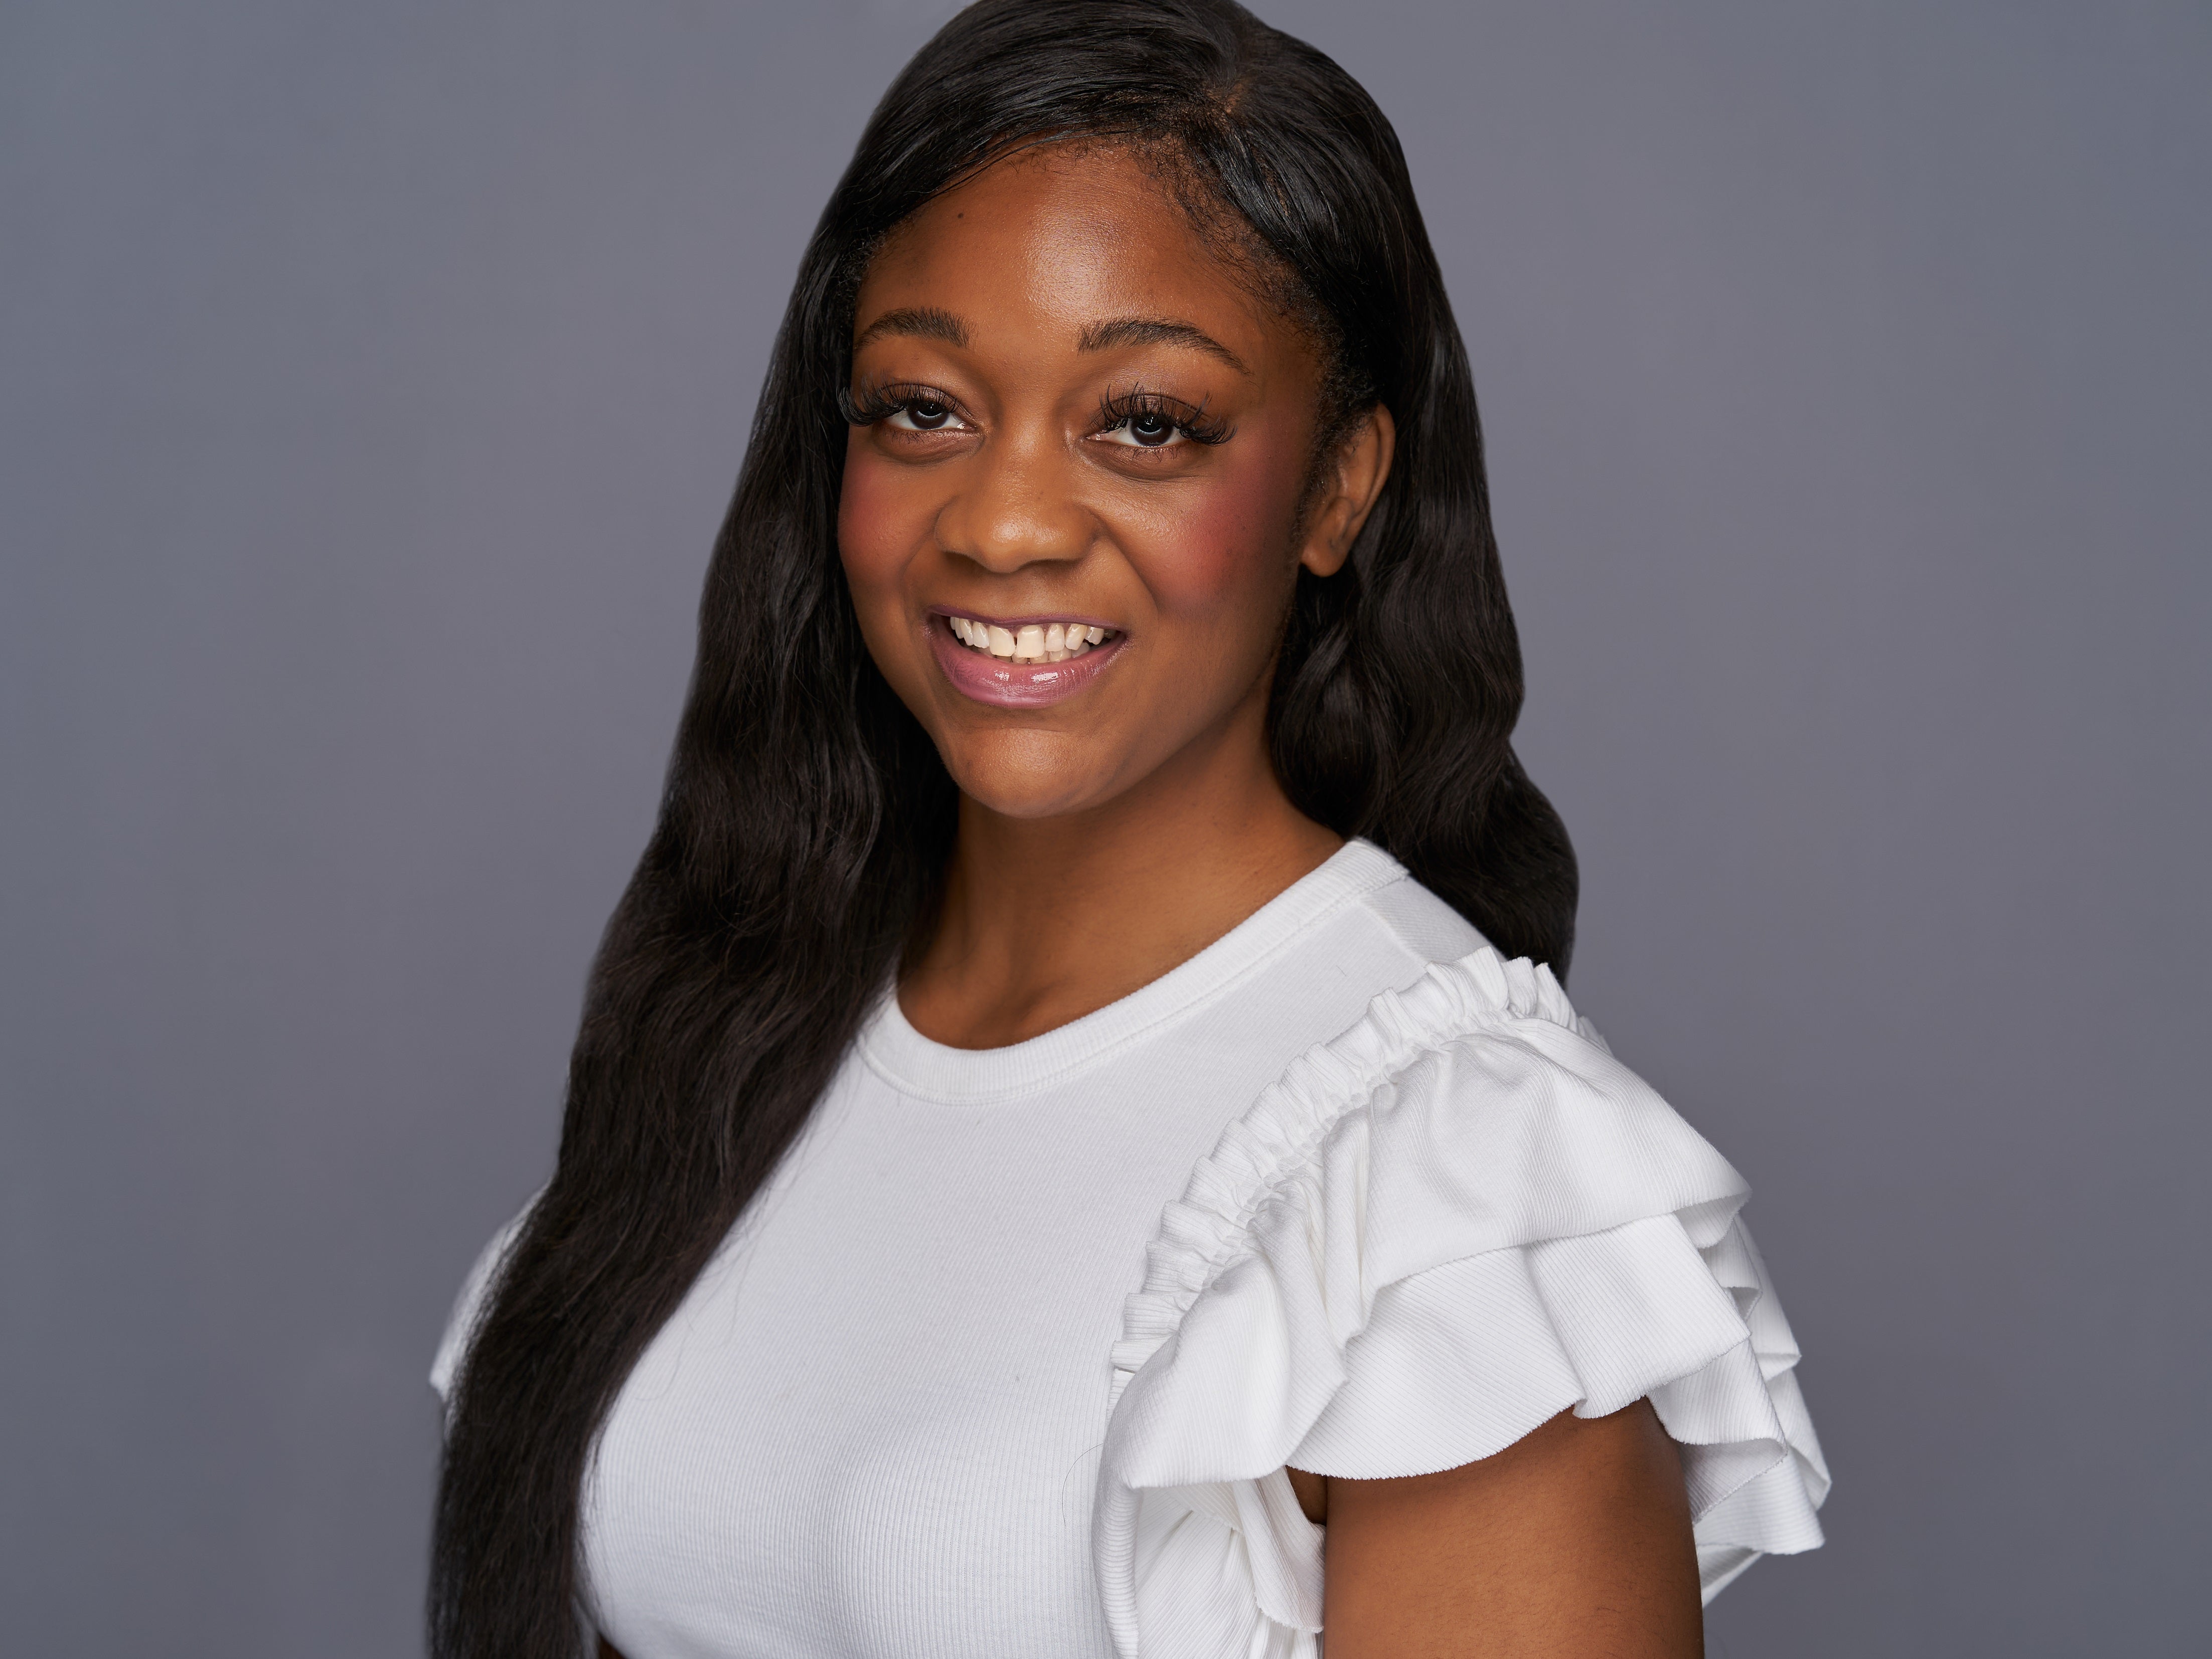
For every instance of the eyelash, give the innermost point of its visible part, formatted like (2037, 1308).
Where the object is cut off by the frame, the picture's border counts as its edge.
(872, 404)
(1191, 423)
(880, 403)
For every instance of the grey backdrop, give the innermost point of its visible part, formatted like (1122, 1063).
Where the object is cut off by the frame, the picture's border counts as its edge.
(374, 377)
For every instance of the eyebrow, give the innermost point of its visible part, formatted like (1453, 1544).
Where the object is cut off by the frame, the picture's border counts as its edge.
(916, 322)
(1156, 331)
(928, 323)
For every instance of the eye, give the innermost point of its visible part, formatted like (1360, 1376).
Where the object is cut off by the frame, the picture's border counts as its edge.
(1148, 428)
(921, 415)
(1138, 419)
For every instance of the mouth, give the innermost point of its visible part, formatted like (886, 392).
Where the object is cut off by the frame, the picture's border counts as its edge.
(1023, 663)
(1032, 642)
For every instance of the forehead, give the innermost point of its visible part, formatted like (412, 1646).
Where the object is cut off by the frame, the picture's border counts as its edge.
(1057, 238)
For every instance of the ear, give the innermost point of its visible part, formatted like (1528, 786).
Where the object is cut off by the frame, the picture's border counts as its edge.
(1355, 479)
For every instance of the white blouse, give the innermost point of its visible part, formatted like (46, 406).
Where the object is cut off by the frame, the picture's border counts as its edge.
(1010, 1354)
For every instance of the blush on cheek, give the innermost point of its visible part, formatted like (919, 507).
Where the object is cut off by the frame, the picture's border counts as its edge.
(873, 531)
(1229, 547)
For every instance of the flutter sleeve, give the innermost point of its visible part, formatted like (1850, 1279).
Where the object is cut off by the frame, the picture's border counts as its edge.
(1436, 1232)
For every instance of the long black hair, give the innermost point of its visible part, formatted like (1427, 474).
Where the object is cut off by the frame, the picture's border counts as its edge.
(807, 819)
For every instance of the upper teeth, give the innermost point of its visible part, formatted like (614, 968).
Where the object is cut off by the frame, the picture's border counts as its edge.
(1038, 643)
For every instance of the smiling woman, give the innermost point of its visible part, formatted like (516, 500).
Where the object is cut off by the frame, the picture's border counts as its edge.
(1077, 1142)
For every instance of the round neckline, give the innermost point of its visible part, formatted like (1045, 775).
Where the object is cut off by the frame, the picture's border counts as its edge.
(918, 1065)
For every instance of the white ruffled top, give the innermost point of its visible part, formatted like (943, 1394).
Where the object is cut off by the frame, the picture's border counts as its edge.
(1456, 1220)
(1452, 1219)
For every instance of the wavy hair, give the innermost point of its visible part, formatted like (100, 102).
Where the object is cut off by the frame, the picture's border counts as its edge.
(807, 820)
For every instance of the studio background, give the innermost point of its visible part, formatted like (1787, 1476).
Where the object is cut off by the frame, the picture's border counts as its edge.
(371, 380)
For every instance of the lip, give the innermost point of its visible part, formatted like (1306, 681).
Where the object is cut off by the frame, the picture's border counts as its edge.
(1007, 684)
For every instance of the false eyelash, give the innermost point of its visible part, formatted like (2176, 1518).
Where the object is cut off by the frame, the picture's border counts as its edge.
(876, 402)
(1191, 423)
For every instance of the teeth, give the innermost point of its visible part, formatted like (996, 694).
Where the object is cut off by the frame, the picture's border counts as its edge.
(1038, 642)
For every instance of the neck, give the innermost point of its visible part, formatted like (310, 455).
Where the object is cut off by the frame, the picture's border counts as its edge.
(1045, 919)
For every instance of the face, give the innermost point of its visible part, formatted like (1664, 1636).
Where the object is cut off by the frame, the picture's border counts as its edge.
(1070, 518)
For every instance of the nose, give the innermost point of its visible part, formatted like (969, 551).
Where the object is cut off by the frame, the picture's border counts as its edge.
(1016, 506)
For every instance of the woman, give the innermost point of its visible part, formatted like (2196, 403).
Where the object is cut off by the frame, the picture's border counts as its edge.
(1077, 1143)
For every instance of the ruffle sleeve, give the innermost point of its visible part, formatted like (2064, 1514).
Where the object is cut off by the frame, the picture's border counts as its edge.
(1436, 1232)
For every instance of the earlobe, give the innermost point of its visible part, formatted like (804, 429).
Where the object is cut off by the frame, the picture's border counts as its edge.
(1363, 467)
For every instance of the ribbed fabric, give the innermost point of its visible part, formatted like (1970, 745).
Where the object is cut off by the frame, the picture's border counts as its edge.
(1009, 1355)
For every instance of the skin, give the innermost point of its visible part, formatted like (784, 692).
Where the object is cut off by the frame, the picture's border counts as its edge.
(1105, 838)
(1574, 1540)
(1109, 837)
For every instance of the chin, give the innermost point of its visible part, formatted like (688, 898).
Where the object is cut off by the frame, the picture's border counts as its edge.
(1044, 798)
(1033, 787)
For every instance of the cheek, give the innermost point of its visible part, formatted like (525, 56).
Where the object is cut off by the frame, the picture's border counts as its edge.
(879, 526)
(1229, 545)
(879, 523)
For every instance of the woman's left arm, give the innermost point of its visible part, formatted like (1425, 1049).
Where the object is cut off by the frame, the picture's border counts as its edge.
(1573, 1542)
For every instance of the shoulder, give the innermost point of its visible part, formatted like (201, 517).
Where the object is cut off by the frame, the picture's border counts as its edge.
(1423, 925)
(1310, 965)
(1457, 1217)
(1371, 919)
(1468, 1111)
